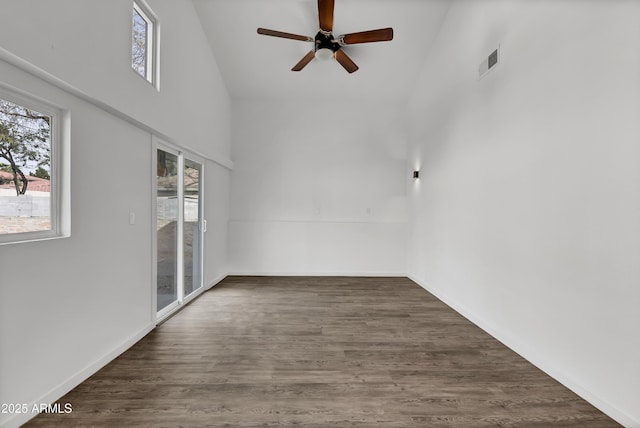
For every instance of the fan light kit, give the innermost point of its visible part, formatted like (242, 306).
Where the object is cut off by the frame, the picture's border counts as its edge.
(324, 54)
(326, 46)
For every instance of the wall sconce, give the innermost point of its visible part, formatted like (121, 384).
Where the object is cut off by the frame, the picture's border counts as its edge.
(416, 174)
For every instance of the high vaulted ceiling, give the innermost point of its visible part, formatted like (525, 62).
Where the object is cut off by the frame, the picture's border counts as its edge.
(257, 66)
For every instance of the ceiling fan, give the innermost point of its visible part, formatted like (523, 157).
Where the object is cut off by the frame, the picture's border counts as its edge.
(326, 45)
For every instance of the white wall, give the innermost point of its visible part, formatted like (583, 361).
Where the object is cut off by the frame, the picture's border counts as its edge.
(87, 44)
(68, 306)
(317, 189)
(65, 304)
(216, 210)
(526, 214)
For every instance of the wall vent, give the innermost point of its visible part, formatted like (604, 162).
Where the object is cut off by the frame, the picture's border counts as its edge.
(489, 62)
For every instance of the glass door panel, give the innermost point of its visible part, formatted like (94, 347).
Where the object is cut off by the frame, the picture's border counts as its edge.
(192, 234)
(167, 210)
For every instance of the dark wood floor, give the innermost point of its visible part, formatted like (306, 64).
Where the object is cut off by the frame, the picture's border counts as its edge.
(321, 352)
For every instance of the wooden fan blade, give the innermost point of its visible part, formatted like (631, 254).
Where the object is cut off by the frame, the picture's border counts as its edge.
(345, 61)
(381, 35)
(284, 35)
(304, 61)
(325, 14)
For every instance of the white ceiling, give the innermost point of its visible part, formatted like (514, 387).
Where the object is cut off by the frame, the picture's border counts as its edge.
(257, 66)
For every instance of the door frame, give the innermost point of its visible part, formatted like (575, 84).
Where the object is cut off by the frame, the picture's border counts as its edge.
(159, 144)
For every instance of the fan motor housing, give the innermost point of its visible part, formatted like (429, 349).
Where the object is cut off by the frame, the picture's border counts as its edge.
(325, 40)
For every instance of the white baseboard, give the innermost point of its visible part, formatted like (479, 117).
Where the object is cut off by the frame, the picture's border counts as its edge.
(534, 357)
(324, 273)
(59, 391)
(216, 281)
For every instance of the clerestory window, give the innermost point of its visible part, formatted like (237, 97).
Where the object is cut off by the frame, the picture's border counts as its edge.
(143, 43)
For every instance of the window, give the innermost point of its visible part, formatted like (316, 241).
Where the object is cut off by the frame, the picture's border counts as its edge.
(29, 168)
(143, 42)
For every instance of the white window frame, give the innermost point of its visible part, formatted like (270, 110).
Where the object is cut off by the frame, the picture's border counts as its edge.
(152, 45)
(59, 175)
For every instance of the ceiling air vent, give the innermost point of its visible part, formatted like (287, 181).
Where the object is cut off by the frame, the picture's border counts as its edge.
(489, 62)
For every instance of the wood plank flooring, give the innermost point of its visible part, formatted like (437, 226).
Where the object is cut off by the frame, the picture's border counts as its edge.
(321, 352)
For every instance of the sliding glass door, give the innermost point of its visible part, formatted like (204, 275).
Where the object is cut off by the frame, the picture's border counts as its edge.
(192, 226)
(179, 229)
(167, 210)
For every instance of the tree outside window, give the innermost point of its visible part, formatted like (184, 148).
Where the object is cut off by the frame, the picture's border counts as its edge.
(25, 169)
(25, 144)
(139, 44)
